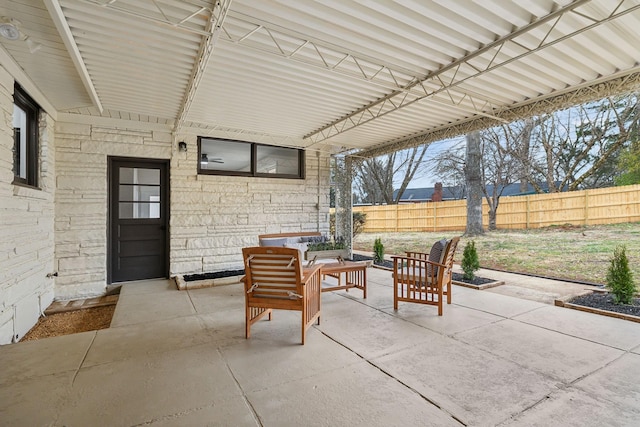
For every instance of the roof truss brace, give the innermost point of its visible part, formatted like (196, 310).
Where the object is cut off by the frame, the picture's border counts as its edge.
(442, 83)
(161, 16)
(226, 132)
(615, 86)
(267, 38)
(207, 46)
(338, 61)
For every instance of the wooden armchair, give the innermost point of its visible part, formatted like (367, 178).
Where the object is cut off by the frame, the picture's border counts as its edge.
(274, 279)
(424, 278)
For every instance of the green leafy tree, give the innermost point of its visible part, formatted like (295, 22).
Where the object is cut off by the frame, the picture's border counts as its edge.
(378, 251)
(359, 220)
(629, 165)
(580, 147)
(620, 278)
(470, 263)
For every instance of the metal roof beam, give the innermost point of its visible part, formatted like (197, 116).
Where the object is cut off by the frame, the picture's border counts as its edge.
(164, 20)
(444, 82)
(55, 10)
(616, 85)
(213, 29)
(316, 54)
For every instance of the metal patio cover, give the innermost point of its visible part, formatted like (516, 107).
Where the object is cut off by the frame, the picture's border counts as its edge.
(335, 75)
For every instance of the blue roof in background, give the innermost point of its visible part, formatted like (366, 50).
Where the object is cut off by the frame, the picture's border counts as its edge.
(456, 192)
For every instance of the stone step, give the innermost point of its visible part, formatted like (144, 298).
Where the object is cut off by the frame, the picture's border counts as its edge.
(72, 305)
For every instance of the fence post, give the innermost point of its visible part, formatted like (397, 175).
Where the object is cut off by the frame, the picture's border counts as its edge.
(435, 217)
(527, 214)
(397, 218)
(586, 207)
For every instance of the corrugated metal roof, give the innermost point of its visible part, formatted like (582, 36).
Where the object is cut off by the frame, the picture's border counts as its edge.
(349, 74)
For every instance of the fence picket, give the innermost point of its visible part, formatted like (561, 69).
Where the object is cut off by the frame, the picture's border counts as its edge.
(587, 207)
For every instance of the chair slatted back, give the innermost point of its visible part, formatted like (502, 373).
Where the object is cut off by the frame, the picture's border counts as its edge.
(450, 252)
(273, 272)
(418, 279)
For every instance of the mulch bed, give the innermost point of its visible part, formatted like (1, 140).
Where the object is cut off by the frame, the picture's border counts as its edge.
(604, 301)
(71, 322)
(385, 263)
(215, 275)
(477, 280)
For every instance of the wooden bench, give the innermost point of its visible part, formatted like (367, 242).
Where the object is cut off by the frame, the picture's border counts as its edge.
(287, 235)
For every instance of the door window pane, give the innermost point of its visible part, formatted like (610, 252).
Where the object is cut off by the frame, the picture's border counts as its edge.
(138, 193)
(141, 210)
(139, 176)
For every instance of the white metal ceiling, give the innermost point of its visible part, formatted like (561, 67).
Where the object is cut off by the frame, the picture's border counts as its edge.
(353, 74)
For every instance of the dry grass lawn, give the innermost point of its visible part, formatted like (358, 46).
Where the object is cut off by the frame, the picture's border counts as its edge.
(566, 252)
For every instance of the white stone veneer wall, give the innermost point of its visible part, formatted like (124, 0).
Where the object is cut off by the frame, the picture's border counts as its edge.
(26, 227)
(213, 217)
(81, 204)
(62, 227)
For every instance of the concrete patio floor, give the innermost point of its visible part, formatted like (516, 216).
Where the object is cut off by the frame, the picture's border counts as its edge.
(179, 358)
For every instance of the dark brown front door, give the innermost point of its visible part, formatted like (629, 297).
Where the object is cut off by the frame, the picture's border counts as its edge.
(138, 219)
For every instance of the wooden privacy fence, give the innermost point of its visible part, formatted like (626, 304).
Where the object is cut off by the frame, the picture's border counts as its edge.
(587, 207)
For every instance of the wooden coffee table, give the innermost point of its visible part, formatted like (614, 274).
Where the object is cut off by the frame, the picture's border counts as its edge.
(355, 275)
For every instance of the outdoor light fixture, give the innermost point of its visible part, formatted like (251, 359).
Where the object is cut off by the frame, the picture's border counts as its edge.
(182, 146)
(10, 30)
(204, 160)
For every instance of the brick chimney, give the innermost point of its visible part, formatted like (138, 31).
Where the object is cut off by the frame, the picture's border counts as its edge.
(437, 193)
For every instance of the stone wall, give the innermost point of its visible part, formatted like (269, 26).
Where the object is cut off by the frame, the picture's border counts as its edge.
(214, 217)
(211, 217)
(62, 226)
(81, 206)
(26, 227)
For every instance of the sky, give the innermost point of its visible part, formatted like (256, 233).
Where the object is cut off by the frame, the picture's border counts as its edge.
(428, 178)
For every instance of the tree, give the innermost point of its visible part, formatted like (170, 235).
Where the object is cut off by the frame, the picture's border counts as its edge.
(579, 147)
(629, 165)
(620, 279)
(474, 184)
(470, 263)
(524, 152)
(498, 167)
(376, 177)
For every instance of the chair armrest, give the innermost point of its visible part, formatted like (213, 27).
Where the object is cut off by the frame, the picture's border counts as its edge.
(399, 259)
(310, 272)
(418, 255)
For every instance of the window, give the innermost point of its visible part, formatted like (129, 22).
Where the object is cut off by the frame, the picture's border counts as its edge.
(25, 138)
(139, 193)
(228, 157)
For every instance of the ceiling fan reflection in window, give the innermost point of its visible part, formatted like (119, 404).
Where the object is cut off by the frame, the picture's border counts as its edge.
(205, 160)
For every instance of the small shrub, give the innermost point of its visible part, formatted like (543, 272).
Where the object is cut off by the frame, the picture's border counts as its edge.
(470, 263)
(323, 243)
(378, 251)
(620, 278)
(359, 219)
